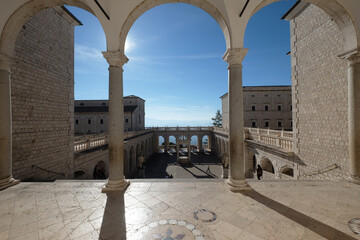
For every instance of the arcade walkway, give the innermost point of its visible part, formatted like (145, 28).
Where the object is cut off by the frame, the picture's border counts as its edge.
(180, 209)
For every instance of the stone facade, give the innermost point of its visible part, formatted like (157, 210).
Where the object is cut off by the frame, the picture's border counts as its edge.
(264, 107)
(320, 95)
(42, 95)
(91, 116)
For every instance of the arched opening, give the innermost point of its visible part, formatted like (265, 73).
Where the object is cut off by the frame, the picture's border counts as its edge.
(194, 143)
(161, 144)
(100, 171)
(205, 143)
(288, 172)
(80, 174)
(267, 166)
(42, 84)
(172, 144)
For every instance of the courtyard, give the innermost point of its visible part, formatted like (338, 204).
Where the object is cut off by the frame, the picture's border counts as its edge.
(180, 209)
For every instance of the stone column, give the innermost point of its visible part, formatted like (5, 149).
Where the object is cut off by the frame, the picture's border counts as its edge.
(116, 181)
(353, 61)
(236, 180)
(6, 179)
(166, 144)
(199, 143)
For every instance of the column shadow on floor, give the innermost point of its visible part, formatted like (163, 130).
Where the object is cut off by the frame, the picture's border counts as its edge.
(312, 224)
(113, 224)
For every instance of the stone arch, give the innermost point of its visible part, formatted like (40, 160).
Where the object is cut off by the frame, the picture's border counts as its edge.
(147, 5)
(287, 170)
(23, 14)
(338, 13)
(267, 165)
(100, 170)
(159, 145)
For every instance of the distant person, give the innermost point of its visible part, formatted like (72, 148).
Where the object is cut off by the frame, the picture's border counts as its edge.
(259, 172)
(208, 169)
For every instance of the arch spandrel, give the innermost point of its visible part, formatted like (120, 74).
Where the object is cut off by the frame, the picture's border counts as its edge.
(16, 15)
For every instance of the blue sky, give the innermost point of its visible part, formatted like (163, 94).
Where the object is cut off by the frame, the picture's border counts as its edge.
(175, 62)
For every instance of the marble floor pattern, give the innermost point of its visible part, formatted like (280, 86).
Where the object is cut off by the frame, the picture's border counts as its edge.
(180, 209)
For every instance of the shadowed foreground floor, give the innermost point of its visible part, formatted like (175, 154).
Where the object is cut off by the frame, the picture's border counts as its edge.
(180, 209)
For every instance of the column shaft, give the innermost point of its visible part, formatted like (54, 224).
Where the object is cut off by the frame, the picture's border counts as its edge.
(354, 115)
(116, 124)
(236, 123)
(199, 143)
(5, 126)
(236, 180)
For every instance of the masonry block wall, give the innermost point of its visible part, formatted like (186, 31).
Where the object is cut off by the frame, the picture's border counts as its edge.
(43, 97)
(320, 102)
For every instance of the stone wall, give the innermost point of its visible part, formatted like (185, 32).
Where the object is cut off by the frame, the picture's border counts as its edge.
(320, 105)
(42, 97)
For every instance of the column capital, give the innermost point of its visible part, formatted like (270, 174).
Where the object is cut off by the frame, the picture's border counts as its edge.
(115, 58)
(235, 56)
(351, 57)
(6, 62)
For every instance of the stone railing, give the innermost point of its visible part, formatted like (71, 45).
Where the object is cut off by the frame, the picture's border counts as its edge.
(282, 139)
(90, 143)
(87, 142)
(181, 129)
(220, 130)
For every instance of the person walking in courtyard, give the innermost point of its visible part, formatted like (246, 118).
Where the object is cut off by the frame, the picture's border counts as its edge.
(259, 172)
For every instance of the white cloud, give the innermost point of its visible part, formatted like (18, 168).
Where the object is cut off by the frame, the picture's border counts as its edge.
(88, 53)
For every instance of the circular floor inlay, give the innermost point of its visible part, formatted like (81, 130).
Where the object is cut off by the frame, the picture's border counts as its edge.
(205, 216)
(171, 229)
(138, 215)
(354, 225)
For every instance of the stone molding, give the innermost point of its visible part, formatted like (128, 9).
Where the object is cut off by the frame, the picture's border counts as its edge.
(6, 62)
(235, 56)
(352, 57)
(115, 58)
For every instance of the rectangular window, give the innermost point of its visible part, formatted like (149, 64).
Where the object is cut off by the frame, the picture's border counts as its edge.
(253, 124)
(279, 95)
(266, 108)
(266, 95)
(253, 108)
(252, 95)
(126, 120)
(89, 121)
(101, 121)
(290, 107)
(266, 124)
(77, 121)
(279, 123)
(291, 124)
(279, 107)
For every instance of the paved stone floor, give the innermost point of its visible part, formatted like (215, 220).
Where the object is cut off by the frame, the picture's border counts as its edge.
(180, 209)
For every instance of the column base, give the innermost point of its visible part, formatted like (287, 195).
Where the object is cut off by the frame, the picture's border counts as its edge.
(115, 186)
(8, 182)
(224, 172)
(354, 179)
(237, 185)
